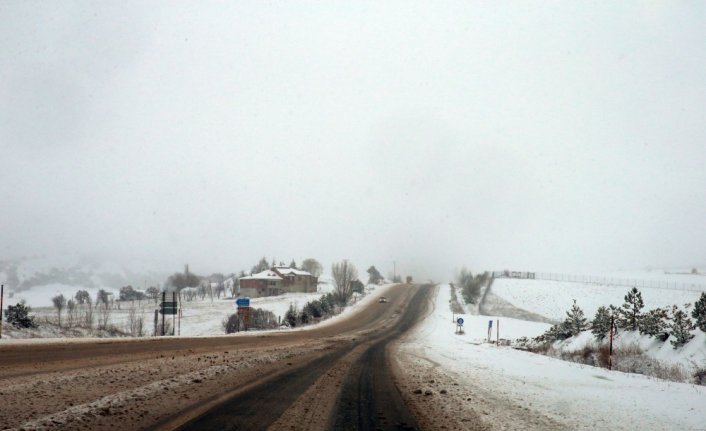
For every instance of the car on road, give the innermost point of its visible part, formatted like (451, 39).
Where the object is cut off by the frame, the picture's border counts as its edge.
(382, 300)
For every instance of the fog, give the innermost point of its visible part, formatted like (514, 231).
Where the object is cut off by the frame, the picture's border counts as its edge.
(433, 134)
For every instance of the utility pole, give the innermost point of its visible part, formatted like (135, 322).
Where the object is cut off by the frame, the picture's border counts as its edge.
(2, 293)
(610, 353)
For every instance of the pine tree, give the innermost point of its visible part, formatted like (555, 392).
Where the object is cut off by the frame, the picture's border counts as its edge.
(681, 326)
(601, 323)
(293, 264)
(699, 312)
(556, 332)
(575, 322)
(654, 324)
(630, 311)
(291, 316)
(18, 316)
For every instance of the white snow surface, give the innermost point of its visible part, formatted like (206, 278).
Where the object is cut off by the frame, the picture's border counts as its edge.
(204, 318)
(583, 397)
(553, 299)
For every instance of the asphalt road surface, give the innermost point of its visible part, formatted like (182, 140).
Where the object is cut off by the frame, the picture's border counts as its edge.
(336, 376)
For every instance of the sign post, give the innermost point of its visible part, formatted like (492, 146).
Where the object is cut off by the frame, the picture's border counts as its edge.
(169, 308)
(243, 305)
(490, 329)
(459, 325)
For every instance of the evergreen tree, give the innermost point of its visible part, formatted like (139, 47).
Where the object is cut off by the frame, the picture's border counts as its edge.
(374, 276)
(681, 326)
(291, 316)
(699, 312)
(600, 327)
(262, 265)
(654, 324)
(305, 316)
(18, 316)
(557, 332)
(630, 314)
(357, 286)
(293, 264)
(575, 322)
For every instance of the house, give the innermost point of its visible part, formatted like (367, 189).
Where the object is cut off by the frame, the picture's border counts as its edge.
(276, 281)
(265, 283)
(296, 280)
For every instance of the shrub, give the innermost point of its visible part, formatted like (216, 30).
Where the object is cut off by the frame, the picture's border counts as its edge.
(700, 376)
(262, 319)
(471, 285)
(18, 316)
(291, 317)
(231, 323)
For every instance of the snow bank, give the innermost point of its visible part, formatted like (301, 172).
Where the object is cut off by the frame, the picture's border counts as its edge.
(582, 397)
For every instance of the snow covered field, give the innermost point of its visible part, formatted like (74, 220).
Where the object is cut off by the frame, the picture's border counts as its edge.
(577, 396)
(553, 299)
(205, 317)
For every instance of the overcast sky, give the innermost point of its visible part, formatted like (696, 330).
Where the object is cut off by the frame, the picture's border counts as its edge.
(493, 135)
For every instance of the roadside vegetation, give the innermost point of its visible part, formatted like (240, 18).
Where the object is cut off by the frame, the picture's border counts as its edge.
(675, 324)
(472, 285)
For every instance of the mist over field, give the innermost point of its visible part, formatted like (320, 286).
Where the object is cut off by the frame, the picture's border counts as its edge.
(433, 135)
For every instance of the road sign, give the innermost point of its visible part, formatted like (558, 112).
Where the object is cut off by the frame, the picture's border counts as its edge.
(242, 302)
(460, 321)
(168, 307)
(490, 324)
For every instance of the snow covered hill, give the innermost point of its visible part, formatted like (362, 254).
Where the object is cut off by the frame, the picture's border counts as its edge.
(37, 279)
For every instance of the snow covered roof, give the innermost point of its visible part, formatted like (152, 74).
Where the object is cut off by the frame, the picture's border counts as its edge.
(284, 270)
(264, 275)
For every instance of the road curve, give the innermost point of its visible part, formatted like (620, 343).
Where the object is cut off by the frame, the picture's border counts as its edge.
(170, 383)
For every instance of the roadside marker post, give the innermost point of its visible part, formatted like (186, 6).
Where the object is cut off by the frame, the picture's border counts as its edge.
(490, 329)
(497, 336)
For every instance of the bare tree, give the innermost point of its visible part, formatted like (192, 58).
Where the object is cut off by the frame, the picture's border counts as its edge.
(70, 312)
(59, 303)
(104, 310)
(88, 316)
(343, 275)
(135, 322)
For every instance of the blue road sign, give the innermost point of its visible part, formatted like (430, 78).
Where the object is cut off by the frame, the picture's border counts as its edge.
(242, 302)
(460, 321)
(490, 324)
